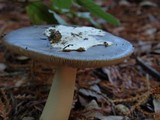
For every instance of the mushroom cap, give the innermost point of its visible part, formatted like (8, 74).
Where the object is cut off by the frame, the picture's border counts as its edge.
(30, 41)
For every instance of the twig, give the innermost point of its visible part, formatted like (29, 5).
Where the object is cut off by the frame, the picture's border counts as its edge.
(140, 101)
(24, 86)
(148, 68)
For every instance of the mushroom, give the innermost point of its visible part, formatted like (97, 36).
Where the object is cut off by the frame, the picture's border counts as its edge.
(31, 42)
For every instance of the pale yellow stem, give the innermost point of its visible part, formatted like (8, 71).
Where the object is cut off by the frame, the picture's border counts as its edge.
(60, 98)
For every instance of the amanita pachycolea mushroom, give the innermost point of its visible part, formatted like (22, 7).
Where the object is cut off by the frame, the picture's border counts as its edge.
(32, 42)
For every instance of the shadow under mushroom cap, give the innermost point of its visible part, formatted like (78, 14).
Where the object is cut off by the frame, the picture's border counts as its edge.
(30, 41)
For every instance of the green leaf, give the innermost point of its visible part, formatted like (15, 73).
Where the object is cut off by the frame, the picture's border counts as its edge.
(38, 13)
(87, 15)
(59, 19)
(98, 11)
(62, 4)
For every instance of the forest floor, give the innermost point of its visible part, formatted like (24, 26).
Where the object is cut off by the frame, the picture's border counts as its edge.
(130, 90)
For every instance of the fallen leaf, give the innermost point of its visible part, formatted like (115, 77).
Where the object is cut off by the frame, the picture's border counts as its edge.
(113, 118)
(148, 3)
(92, 105)
(22, 58)
(91, 93)
(156, 104)
(83, 101)
(121, 109)
(95, 88)
(2, 67)
(28, 118)
(124, 3)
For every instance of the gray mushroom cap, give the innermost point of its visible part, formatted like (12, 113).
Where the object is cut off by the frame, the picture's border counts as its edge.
(30, 41)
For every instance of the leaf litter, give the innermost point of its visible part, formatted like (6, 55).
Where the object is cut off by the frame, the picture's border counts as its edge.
(124, 91)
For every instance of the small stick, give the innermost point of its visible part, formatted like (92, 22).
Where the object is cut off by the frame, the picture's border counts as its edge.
(148, 68)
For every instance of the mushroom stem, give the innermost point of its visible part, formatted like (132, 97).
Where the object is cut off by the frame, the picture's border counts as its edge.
(60, 98)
